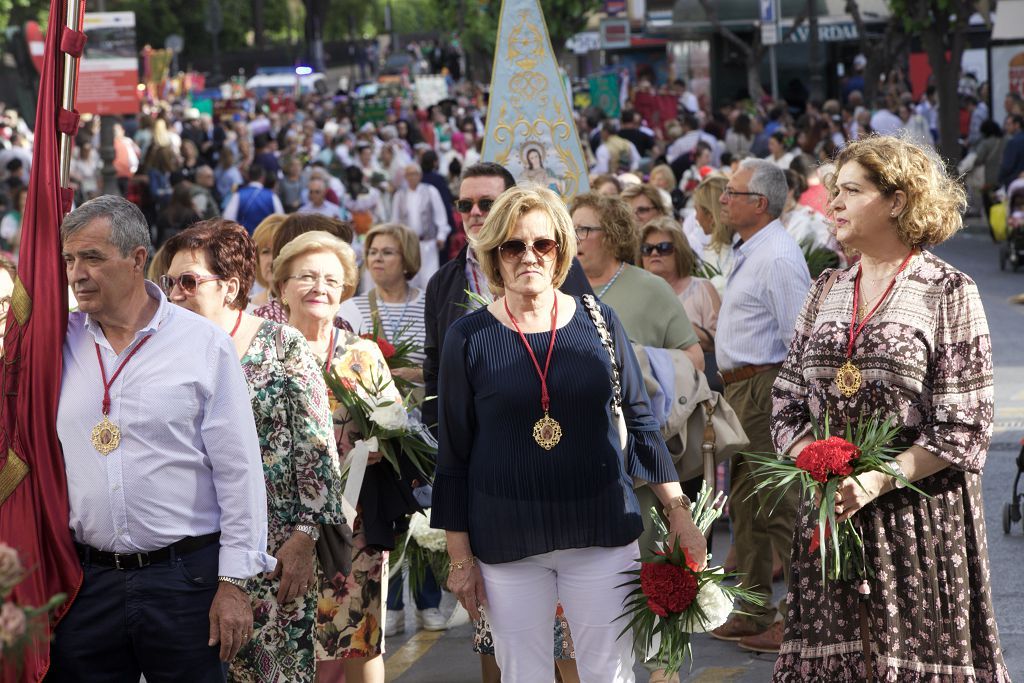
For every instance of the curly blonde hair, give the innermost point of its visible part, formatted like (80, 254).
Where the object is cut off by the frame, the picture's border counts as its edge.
(513, 204)
(620, 236)
(935, 200)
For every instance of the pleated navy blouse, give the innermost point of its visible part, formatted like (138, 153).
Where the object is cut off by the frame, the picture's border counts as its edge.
(494, 481)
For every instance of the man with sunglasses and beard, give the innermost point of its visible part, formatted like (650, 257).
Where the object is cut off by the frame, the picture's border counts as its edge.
(165, 481)
(447, 300)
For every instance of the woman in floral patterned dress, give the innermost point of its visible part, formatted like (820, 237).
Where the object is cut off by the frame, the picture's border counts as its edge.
(924, 357)
(211, 270)
(314, 273)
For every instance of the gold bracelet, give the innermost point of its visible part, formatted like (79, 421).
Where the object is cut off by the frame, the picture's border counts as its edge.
(462, 564)
(680, 501)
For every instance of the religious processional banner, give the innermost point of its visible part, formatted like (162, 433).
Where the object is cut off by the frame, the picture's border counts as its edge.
(530, 127)
(604, 94)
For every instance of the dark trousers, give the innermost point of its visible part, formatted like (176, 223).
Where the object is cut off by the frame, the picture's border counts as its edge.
(153, 621)
(429, 594)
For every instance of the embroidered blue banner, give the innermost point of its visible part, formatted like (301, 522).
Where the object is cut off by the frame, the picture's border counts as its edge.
(530, 127)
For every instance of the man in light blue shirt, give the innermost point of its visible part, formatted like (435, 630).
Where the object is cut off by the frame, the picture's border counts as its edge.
(165, 478)
(756, 324)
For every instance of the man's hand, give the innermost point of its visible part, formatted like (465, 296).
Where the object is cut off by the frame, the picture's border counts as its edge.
(230, 620)
(295, 567)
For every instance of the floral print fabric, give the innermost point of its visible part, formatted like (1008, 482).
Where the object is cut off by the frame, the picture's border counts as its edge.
(349, 615)
(925, 358)
(300, 465)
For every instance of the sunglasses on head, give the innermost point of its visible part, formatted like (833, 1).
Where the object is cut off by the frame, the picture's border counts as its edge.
(663, 248)
(466, 205)
(513, 250)
(188, 282)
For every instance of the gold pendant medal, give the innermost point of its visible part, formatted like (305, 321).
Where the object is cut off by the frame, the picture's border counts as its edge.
(848, 379)
(106, 437)
(547, 432)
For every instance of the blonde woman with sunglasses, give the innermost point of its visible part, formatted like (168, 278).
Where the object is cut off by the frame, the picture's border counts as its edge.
(532, 484)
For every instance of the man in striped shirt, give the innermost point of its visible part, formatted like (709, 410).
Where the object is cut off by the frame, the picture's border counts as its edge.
(762, 299)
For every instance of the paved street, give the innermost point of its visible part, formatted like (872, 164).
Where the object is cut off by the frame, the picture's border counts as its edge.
(447, 657)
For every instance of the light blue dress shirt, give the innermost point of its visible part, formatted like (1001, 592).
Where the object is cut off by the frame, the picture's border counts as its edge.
(763, 295)
(189, 461)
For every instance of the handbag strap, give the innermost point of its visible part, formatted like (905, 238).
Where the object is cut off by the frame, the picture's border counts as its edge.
(594, 311)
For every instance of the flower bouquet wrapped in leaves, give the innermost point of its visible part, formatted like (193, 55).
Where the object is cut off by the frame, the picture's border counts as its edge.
(674, 598)
(17, 623)
(359, 380)
(820, 469)
(423, 548)
(397, 353)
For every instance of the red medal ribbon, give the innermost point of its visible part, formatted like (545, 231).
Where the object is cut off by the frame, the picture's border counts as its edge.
(330, 350)
(238, 323)
(856, 329)
(545, 400)
(103, 371)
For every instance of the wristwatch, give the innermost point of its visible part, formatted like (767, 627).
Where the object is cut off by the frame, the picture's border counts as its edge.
(311, 530)
(897, 471)
(680, 501)
(237, 583)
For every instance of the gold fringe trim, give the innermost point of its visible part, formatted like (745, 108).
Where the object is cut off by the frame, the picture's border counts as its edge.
(21, 303)
(11, 475)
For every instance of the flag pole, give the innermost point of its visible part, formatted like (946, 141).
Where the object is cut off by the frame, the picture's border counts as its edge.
(69, 90)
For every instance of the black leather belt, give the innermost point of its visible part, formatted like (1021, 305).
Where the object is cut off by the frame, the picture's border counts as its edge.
(126, 561)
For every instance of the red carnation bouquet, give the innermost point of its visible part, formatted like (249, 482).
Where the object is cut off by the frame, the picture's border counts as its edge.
(820, 469)
(674, 598)
(397, 354)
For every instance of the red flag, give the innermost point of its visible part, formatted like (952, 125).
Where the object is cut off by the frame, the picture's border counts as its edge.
(34, 515)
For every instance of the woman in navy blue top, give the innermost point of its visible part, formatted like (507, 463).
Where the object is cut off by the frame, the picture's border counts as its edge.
(532, 486)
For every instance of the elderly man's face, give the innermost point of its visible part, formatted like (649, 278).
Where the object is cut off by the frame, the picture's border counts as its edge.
(98, 274)
(317, 193)
(413, 177)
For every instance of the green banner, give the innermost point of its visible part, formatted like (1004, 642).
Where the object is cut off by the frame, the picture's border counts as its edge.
(604, 94)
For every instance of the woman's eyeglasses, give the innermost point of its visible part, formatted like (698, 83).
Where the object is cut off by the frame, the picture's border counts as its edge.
(310, 279)
(466, 205)
(189, 282)
(583, 231)
(663, 248)
(513, 250)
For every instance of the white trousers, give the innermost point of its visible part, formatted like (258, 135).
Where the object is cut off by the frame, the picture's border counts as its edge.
(521, 598)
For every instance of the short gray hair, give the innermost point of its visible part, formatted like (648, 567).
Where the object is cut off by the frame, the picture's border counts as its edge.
(769, 180)
(128, 227)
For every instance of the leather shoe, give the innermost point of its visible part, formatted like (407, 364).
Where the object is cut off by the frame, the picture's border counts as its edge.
(738, 626)
(769, 641)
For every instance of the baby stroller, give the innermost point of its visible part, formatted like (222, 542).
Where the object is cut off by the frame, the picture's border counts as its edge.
(1011, 251)
(1012, 511)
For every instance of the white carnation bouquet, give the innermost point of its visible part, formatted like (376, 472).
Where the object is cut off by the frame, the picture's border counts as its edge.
(423, 548)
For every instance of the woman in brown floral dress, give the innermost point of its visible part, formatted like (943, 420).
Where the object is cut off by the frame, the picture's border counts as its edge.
(924, 356)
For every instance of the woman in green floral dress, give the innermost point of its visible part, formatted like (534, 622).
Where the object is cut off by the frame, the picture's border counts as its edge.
(212, 268)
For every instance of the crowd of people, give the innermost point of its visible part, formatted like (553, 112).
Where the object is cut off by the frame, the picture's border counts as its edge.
(254, 249)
